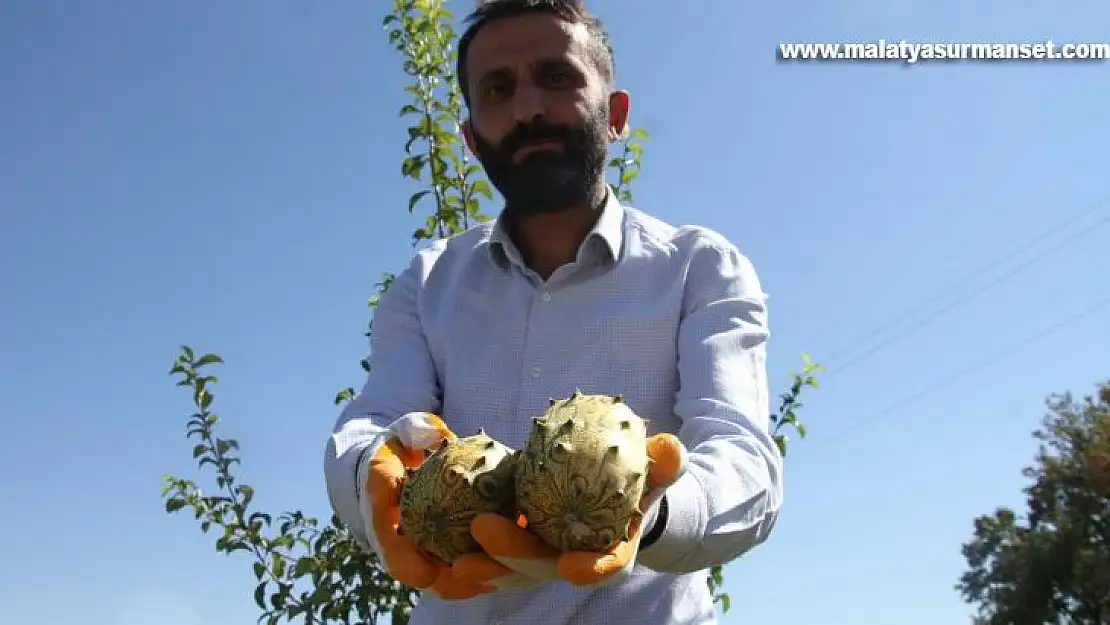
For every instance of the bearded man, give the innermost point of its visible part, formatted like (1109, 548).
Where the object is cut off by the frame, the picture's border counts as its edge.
(567, 289)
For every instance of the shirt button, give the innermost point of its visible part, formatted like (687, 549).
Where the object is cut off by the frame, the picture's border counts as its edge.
(535, 372)
(546, 297)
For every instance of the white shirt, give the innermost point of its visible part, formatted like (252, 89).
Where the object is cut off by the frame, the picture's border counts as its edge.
(672, 318)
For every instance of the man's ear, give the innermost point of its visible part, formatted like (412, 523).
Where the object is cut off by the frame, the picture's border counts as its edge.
(468, 136)
(619, 104)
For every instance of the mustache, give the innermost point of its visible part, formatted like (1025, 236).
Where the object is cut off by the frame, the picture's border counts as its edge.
(539, 131)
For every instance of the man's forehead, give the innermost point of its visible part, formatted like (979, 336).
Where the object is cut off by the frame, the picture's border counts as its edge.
(525, 38)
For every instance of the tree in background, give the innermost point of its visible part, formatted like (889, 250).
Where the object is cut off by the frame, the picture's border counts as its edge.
(1052, 566)
(313, 572)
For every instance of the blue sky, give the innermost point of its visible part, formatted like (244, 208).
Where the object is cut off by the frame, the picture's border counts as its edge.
(226, 174)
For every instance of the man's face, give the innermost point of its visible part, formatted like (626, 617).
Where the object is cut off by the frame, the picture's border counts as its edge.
(541, 115)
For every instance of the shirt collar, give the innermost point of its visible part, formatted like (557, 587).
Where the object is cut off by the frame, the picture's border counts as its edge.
(608, 231)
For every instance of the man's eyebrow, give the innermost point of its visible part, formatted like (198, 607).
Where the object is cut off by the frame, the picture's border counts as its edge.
(560, 62)
(547, 62)
(496, 72)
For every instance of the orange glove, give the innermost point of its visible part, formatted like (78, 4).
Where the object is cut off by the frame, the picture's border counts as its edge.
(517, 557)
(410, 437)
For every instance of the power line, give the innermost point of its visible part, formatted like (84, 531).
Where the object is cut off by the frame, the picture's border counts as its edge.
(1012, 348)
(983, 289)
(870, 335)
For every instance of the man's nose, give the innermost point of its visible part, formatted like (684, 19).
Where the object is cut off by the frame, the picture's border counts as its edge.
(527, 103)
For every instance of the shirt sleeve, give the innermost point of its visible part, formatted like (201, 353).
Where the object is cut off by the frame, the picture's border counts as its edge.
(728, 500)
(402, 379)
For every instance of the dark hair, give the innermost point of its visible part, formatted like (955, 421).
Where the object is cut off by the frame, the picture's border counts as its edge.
(599, 48)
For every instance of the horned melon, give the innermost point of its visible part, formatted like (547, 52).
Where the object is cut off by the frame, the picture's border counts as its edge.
(461, 479)
(582, 472)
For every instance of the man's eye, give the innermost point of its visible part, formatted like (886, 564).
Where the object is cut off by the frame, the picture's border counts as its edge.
(493, 91)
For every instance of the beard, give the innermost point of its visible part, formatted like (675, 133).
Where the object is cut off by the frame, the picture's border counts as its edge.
(549, 180)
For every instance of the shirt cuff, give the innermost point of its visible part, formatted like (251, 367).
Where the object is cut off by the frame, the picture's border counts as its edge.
(348, 455)
(681, 524)
(656, 524)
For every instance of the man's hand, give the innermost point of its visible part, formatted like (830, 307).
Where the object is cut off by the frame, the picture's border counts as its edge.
(413, 435)
(515, 557)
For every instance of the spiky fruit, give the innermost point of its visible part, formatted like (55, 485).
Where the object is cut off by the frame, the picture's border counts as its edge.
(459, 480)
(582, 472)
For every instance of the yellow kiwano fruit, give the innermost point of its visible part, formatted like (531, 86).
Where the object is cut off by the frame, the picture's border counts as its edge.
(582, 472)
(462, 478)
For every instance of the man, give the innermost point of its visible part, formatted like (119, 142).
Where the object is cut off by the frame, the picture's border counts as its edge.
(566, 290)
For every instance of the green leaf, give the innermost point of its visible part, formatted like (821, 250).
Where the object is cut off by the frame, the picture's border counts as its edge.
(260, 596)
(247, 494)
(304, 566)
(415, 199)
(481, 187)
(323, 593)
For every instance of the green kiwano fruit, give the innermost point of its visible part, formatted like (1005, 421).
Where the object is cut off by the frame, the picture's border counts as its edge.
(582, 472)
(461, 479)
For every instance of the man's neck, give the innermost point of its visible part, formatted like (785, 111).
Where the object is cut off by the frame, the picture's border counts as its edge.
(550, 240)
